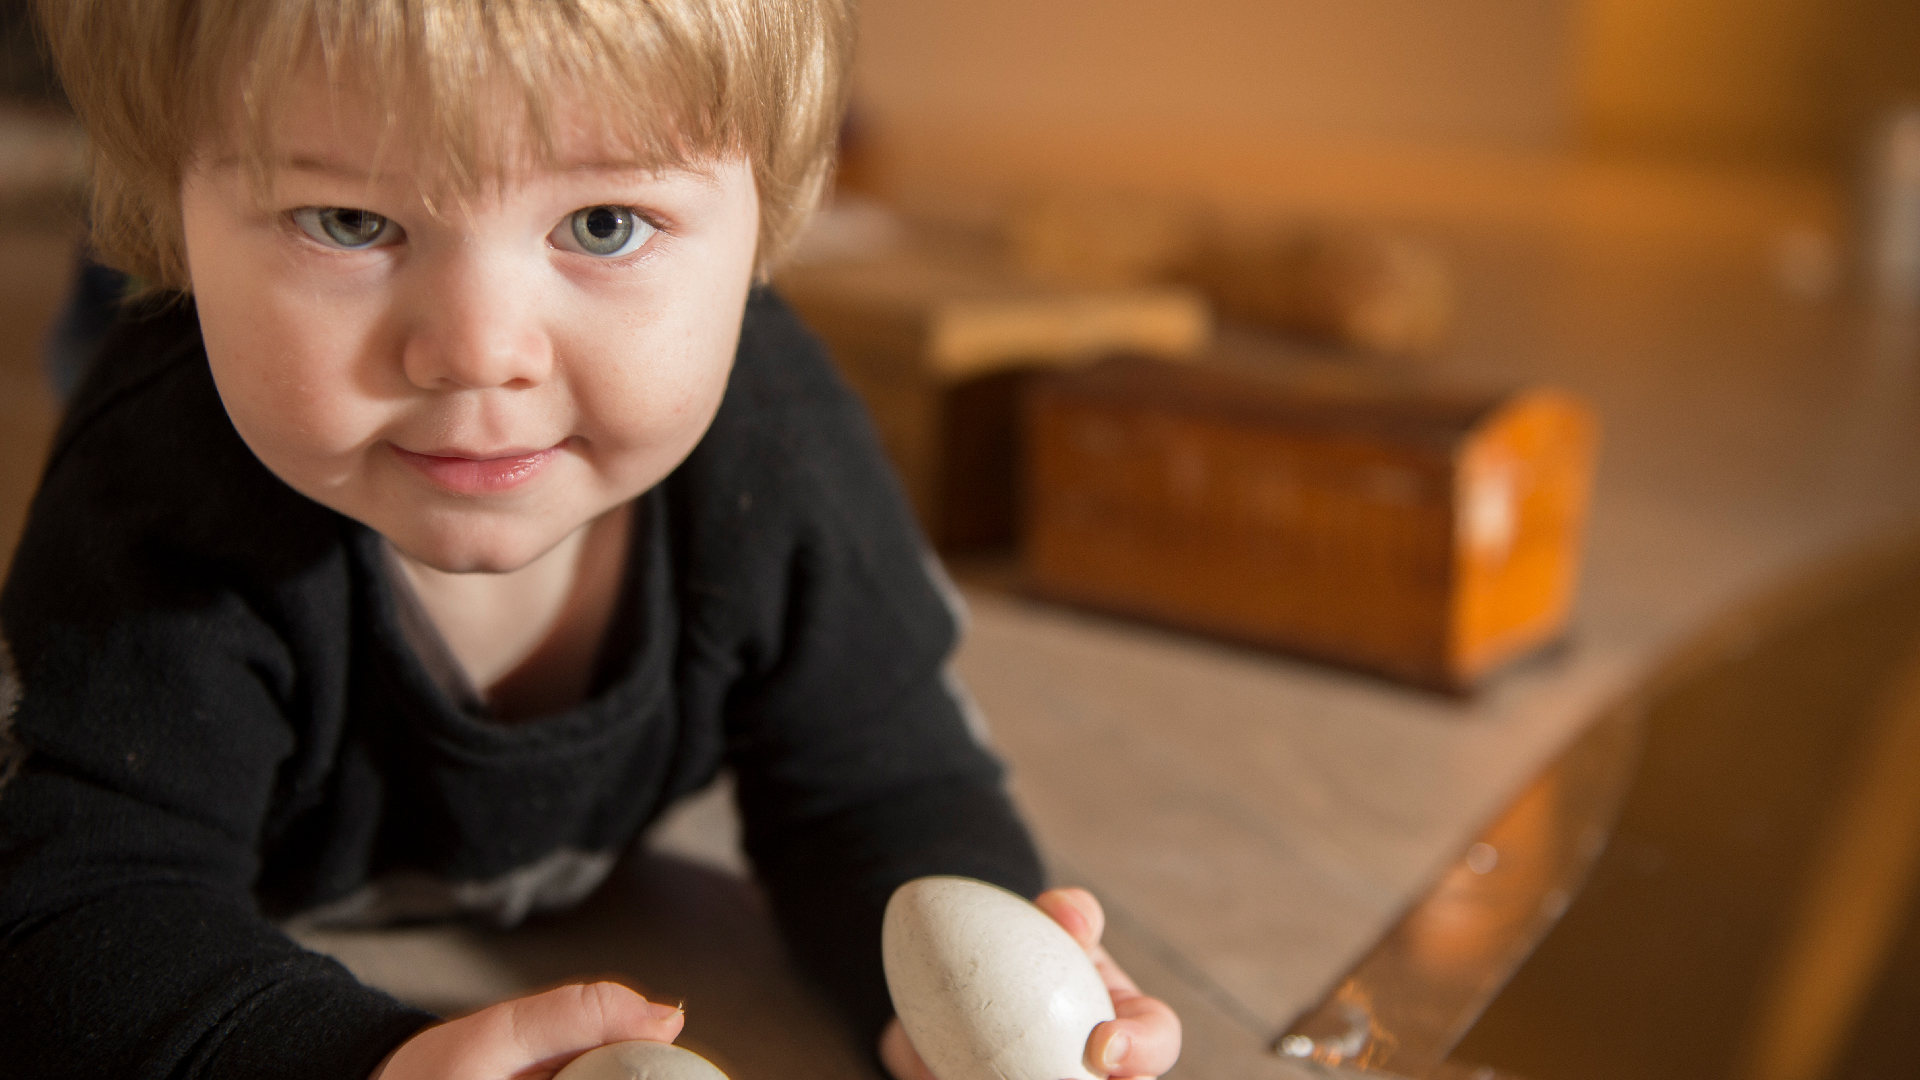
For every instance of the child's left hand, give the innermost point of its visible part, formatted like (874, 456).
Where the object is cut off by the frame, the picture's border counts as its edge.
(532, 1037)
(1142, 1041)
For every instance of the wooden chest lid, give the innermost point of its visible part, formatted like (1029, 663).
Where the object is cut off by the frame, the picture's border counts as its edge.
(1239, 391)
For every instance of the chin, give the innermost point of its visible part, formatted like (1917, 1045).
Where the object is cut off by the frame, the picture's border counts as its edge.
(462, 551)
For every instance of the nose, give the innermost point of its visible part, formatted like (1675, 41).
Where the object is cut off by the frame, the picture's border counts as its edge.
(475, 325)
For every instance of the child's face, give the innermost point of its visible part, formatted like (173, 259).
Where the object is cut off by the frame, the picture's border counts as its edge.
(477, 383)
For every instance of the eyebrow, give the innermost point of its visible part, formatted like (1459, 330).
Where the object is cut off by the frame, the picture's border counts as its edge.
(693, 171)
(302, 163)
(328, 167)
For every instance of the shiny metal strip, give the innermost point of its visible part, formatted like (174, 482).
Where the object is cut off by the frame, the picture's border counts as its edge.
(1406, 1004)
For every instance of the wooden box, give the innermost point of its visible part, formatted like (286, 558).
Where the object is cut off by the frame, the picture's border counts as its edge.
(940, 347)
(1425, 536)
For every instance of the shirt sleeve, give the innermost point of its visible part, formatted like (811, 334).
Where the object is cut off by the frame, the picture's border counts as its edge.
(155, 702)
(857, 770)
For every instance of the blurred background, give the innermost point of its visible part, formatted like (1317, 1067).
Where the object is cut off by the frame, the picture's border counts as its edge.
(1493, 110)
(1759, 127)
(1697, 224)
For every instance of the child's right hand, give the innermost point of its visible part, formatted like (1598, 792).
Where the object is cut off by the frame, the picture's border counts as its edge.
(531, 1038)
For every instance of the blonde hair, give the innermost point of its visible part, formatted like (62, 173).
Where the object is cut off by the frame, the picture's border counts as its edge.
(677, 81)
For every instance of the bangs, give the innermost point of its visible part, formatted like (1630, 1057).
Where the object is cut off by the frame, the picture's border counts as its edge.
(477, 89)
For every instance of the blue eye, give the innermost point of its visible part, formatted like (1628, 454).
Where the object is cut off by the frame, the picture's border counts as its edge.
(345, 227)
(604, 231)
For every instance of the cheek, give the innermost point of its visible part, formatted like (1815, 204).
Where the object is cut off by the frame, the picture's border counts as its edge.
(288, 365)
(665, 366)
(290, 378)
(659, 392)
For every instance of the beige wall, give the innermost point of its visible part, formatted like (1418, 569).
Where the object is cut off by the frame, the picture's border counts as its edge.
(1766, 82)
(1478, 71)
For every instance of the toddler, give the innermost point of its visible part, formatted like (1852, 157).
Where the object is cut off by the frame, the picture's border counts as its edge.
(449, 502)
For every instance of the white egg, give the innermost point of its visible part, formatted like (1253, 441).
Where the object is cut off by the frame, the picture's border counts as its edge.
(987, 985)
(640, 1061)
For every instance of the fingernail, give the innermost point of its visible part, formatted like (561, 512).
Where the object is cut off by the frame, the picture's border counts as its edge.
(1115, 1052)
(659, 1011)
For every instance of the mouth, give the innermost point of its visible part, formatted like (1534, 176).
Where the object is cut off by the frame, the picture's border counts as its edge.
(463, 472)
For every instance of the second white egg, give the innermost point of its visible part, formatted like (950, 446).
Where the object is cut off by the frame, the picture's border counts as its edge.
(640, 1061)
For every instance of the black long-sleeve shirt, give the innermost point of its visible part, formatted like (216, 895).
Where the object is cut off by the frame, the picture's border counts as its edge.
(217, 721)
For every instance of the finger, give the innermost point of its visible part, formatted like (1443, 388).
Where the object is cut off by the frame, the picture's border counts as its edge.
(1144, 1040)
(574, 1019)
(534, 1035)
(899, 1056)
(1077, 912)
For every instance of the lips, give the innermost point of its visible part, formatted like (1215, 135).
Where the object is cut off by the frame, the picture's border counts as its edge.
(479, 473)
